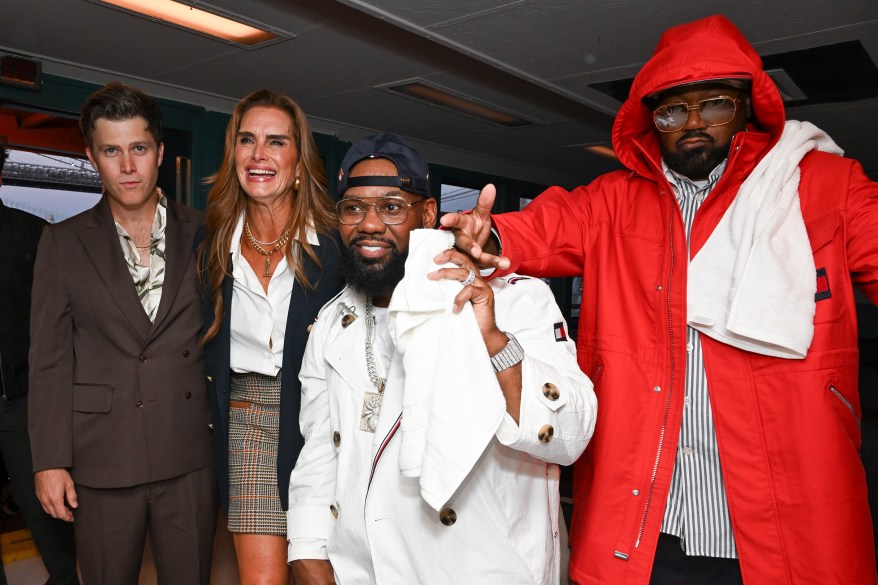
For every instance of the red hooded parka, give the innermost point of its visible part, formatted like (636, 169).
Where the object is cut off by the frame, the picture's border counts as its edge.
(788, 430)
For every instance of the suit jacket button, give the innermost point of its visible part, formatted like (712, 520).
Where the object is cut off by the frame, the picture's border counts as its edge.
(186, 353)
(334, 510)
(210, 378)
(188, 395)
(546, 433)
(143, 358)
(139, 404)
(210, 426)
(447, 516)
(550, 391)
(336, 438)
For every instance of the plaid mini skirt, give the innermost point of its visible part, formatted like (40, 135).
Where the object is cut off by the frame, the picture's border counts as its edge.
(254, 505)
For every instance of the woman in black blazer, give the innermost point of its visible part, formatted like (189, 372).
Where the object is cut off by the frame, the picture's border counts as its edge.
(270, 263)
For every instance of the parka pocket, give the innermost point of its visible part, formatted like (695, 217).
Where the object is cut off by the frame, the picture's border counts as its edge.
(848, 413)
(830, 275)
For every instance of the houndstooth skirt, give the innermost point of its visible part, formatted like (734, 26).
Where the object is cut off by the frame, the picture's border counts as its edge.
(254, 505)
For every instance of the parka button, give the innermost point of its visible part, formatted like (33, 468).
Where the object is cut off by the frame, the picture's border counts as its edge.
(447, 516)
(550, 391)
(545, 434)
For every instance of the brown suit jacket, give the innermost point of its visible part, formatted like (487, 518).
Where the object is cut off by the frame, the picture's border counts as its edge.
(114, 398)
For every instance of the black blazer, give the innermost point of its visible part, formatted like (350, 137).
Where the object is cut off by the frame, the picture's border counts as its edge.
(304, 306)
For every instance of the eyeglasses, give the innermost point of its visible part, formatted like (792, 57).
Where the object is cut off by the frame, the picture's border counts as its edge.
(390, 210)
(715, 111)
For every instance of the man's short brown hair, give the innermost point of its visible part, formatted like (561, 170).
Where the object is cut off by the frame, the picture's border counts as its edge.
(117, 102)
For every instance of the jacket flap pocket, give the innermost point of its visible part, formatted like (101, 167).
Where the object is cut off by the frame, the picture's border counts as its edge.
(92, 398)
(822, 230)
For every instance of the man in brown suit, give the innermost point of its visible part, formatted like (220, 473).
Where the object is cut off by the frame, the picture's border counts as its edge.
(119, 418)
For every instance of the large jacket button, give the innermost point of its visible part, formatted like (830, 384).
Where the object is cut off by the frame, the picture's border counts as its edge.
(545, 434)
(336, 438)
(447, 516)
(550, 391)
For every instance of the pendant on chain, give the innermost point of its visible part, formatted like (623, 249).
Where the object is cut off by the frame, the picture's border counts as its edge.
(370, 412)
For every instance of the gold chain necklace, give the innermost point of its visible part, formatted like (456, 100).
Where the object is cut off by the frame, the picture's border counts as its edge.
(254, 243)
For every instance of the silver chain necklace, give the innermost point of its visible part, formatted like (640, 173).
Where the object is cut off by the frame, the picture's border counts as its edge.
(371, 400)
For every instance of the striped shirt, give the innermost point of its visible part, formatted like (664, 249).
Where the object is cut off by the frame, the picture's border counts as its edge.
(697, 510)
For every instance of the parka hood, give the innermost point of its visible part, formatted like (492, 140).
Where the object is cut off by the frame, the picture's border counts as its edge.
(704, 50)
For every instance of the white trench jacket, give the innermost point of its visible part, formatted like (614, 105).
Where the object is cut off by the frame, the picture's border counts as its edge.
(350, 504)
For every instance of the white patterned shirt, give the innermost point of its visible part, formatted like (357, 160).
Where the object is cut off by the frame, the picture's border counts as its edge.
(148, 278)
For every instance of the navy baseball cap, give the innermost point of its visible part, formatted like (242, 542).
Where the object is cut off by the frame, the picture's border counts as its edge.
(412, 172)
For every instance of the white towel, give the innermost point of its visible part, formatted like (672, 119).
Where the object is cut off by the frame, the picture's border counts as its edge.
(752, 285)
(452, 402)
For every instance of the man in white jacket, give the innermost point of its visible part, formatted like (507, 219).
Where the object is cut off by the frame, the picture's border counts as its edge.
(411, 473)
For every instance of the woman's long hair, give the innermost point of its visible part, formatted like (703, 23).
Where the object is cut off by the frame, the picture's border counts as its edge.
(310, 206)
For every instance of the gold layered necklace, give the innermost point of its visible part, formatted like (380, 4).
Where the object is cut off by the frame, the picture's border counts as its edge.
(278, 244)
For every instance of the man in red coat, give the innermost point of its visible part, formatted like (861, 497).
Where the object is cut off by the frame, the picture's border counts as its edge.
(718, 324)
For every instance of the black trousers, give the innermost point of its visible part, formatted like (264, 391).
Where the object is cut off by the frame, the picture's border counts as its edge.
(673, 567)
(53, 538)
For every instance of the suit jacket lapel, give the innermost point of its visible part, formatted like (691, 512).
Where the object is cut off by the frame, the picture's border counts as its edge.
(179, 233)
(101, 244)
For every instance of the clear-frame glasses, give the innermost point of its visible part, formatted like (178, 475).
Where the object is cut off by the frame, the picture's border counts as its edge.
(390, 210)
(715, 111)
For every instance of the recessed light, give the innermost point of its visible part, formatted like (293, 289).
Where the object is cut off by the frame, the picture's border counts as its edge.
(199, 20)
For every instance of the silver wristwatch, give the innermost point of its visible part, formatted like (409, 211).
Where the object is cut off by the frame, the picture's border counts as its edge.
(508, 356)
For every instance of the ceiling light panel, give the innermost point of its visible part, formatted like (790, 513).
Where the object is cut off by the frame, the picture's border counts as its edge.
(448, 99)
(201, 19)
